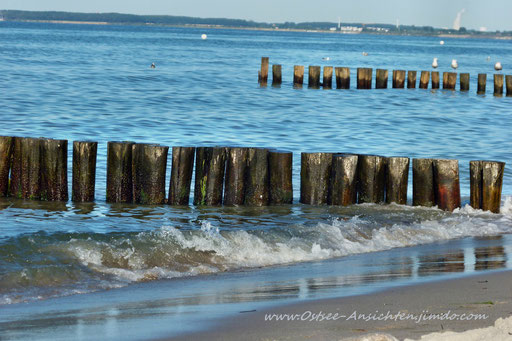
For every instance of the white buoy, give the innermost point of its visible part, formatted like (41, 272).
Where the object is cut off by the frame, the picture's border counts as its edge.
(204, 36)
(498, 66)
(441, 42)
(455, 65)
(435, 64)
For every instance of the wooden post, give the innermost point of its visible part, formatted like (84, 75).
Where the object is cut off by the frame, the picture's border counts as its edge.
(411, 79)
(508, 81)
(435, 79)
(26, 168)
(257, 178)
(423, 182)
(236, 168)
(54, 170)
(264, 71)
(464, 81)
(84, 171)
(276, 75)
(364, 78)
(486, 184)
(343, 190)
(449, 80)
(119, 172)
(342, 78)
(381, 79)
(327, 80)
(181, 175)
(210, 167)
(298, 75)
(424, 79)
(397, 180)
(498, 85)
(149, 164)
(314, 77)
(280, 177)
(371, 179)
(6, 147)
(446, 184)
(398, 79)
(315, 174)
(482, 80)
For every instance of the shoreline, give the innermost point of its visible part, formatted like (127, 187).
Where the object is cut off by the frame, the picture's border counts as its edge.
(105, 23)
(483, 295)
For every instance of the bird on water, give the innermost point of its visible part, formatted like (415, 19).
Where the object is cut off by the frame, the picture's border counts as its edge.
(455, 65)
(498, 66)
(365, 53)
(153, 65)
(435, 64)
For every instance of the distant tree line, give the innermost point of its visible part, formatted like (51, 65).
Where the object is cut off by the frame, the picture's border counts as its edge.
(119, 18)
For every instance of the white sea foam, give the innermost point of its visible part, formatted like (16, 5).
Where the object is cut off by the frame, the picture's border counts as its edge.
(170, 252)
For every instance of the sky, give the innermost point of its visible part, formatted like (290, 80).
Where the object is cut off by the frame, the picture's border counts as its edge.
(492, 14)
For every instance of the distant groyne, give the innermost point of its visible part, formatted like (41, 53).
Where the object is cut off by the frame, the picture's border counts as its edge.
(36, 169)
(366, 78)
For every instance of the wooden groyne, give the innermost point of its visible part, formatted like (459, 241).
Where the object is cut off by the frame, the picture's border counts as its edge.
(36, 169)
(400, 79)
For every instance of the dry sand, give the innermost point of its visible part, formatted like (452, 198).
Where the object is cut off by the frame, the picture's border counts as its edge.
(486, 293)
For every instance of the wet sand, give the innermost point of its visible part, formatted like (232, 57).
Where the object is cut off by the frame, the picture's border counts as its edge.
(488, 294)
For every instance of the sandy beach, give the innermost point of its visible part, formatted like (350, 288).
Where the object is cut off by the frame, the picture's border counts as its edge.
(404, 312)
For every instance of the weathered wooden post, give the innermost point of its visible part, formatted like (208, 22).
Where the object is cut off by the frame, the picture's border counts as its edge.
(149, 164)
(280, 177)
(342, 78)
(423, 182)
(26, 168)
(435, 79)
(343, 190)
(498, 85)
(449, 80)
(364, 78)
(486, 184)
(315, 175)
(54, 170)
(424, 79)
(314, 77)
(181, 175)
(327, 80)
(482, 80)
(264, 71)
(446, 184)
(6, 147)
(371, 178)
(119, 172)
(276, 75)
(464, 81)
(508, 81)
(411, 79)
(210, 168)
(84, 171)
(381, 79)
(397, 180)
(398, 79)
(298, 76)
(257, 178)
(236, 169)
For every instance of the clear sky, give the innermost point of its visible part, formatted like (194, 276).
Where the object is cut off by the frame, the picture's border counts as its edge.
(493, 14)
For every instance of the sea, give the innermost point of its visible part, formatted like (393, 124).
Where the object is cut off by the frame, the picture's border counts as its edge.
(128, 272)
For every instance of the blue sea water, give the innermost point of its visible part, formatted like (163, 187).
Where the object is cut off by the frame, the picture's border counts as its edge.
(94, 82)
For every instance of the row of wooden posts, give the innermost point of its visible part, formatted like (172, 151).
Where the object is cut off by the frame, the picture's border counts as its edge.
(364, 78)
(36, 168)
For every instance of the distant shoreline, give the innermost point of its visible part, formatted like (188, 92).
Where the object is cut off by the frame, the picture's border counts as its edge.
(460, 36)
